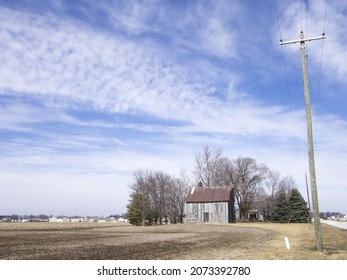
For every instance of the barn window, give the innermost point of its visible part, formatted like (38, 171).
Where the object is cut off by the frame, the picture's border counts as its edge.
(218, 208)
(195, 208)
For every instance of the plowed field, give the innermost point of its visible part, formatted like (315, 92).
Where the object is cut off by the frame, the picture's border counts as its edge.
(96, 241)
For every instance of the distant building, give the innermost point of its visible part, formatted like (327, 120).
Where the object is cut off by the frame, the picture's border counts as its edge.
(210, 205)
(53, 220)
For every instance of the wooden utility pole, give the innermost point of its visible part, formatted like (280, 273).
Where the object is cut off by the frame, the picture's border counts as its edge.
(308, 200)
(315, 207)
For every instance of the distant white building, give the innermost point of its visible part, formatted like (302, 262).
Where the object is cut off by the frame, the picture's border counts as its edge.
(53, 220)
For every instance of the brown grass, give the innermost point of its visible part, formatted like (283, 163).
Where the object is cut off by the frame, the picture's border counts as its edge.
(302, 242)
(257, 241)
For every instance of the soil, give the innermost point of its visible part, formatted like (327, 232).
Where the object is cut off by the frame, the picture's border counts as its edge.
(114, 242)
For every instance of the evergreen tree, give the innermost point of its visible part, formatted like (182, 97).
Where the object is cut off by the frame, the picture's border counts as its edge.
(138, 210)
(299, 212)
(281, 209)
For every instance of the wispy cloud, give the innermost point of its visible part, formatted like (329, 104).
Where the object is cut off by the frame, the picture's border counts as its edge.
(319, 18)
(59, 59)
(98, 89)
(65, 61)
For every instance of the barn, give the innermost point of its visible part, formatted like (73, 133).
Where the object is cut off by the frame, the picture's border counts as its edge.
(210, 205)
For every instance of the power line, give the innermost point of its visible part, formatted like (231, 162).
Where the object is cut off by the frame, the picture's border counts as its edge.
(306, 18)
(287, 80)
(325, 14)
(306, 25)
(278, 20)
(321, 58)
(301, 13)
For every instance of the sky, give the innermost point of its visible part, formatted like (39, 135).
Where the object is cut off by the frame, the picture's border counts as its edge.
(91, 91)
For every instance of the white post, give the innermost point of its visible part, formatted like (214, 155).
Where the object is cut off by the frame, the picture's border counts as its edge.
(286, 240)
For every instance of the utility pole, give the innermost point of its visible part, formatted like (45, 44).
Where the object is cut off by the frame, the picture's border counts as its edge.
(308, 199)
(318, 231)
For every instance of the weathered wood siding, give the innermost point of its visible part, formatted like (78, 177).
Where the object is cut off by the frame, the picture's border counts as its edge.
(211, 212)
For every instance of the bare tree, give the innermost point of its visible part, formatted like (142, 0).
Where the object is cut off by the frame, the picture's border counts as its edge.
(156, 197)
(273, 186)
(140, 197)
(176, 200)
(160, 184)
(286, 185)
(184, 183)
(272, 183)
(207, 164)
(246, 176)
(267, 194)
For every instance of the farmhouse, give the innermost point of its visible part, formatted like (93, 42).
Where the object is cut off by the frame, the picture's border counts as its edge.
(210, 205)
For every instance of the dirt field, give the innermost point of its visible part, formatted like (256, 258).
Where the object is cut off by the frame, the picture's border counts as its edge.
(97, 241)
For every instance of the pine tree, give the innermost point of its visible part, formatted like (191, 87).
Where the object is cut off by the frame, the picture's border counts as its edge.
(281, 209)
(138, 210)
(299, 212)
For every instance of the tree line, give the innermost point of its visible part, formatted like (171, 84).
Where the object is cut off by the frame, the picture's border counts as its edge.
(157, 197)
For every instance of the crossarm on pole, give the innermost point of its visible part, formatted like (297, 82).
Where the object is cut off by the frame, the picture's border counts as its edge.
(303, 40)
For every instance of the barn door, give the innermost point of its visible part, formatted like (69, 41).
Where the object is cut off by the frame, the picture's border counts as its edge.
(206, 217)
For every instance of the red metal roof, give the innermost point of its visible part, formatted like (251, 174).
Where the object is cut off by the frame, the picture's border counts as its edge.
(208, 194)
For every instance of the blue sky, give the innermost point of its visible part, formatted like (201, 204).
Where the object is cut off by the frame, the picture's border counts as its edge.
(93, 90)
